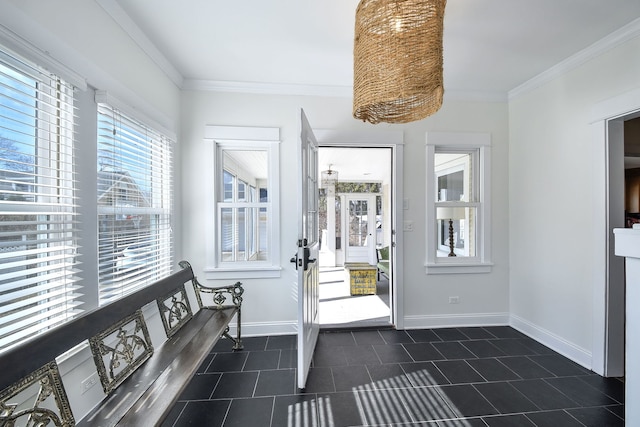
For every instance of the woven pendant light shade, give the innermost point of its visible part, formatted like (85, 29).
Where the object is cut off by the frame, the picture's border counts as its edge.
(398, 60)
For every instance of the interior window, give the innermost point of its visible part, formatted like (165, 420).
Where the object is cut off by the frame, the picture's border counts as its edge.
(458, 203)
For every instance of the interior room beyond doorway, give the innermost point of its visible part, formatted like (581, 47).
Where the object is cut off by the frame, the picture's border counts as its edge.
(356, 234)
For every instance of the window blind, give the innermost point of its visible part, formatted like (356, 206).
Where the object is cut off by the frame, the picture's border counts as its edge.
(38, 238)
(134, 204)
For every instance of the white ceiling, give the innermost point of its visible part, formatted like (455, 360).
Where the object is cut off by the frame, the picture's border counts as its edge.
(357, 164)
(490, 46)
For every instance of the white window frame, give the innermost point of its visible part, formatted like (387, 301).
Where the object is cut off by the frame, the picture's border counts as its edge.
(243, 138)
(451, 142)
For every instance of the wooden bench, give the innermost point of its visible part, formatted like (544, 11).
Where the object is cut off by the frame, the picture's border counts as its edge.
(141, 382)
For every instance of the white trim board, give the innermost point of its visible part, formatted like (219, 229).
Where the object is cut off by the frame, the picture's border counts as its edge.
(571, 351)
(260, 329)
(456, 320)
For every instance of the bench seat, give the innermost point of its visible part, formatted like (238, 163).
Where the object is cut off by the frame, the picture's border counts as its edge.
(146, 397)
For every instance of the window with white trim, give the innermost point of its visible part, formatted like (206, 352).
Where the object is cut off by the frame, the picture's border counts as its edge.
(245, 217)
(458, 218)
(134, 204)
(38, 234)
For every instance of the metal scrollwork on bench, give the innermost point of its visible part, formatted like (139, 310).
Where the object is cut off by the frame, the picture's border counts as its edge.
(217, 299)
(219, 296)
(38, 399)
(120, 350)
(175, 310)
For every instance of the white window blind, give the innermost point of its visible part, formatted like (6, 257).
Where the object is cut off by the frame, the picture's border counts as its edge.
(38, 238)
(134, 204)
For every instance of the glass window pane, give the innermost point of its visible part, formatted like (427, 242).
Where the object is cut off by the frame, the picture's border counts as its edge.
(227, 191)
(39, 283)
(453, 177)
(134, 200)
(456, 231)
(242, 240)
(358, 222)
(263, 221)
(245, 216)
(227, 241)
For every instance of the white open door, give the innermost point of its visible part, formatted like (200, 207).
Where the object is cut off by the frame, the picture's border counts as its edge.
(307, 255)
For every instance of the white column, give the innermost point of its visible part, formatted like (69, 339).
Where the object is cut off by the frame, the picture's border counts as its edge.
(328, 252)
(627, 244)
(331, 223)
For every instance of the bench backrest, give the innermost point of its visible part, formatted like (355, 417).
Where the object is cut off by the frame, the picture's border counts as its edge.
(30, 383)
(44, 348)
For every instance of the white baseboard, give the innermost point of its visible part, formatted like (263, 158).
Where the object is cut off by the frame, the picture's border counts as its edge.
(265, 328)
(456, 320)
(551, 340)
(568, 349)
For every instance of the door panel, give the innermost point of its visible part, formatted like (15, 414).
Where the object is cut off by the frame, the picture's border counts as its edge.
(307, 255)
(360, 229)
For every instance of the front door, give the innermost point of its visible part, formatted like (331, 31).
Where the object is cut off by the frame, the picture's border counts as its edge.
(307, 255)
(360, 233)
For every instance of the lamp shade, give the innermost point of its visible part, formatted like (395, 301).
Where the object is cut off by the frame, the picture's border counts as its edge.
(450, 213)
(398, 60)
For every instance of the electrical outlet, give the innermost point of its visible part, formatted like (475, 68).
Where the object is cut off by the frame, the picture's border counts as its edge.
(89, 382)
(454, 300)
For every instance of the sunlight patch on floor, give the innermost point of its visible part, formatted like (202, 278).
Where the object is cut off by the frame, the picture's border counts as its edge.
(337, 306)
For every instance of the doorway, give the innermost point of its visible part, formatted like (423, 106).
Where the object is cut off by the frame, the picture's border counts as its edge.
(609, 119)
(355, 227)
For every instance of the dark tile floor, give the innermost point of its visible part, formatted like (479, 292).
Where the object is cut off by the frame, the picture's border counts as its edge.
(462, 377)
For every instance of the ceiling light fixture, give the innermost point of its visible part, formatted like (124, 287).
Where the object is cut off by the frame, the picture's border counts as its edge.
(397, 60)
(329, 177)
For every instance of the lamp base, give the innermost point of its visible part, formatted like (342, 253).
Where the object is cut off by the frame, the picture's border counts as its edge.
(451, 253)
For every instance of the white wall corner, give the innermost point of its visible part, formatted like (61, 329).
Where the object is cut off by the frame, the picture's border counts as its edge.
(139, 37)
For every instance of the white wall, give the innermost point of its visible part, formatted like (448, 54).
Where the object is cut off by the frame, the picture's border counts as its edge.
(269, 305)
(552, 162)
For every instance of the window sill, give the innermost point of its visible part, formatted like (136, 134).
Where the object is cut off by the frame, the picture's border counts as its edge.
(458, 268)
(242, 272)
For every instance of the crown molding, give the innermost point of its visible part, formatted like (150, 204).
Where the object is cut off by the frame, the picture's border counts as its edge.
(474, 96)
(320, 90)
(618, 37)
(268, 88)
(138, 36)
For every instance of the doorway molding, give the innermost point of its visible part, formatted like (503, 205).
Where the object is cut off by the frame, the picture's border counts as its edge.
(395, 141)
(607, 126)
